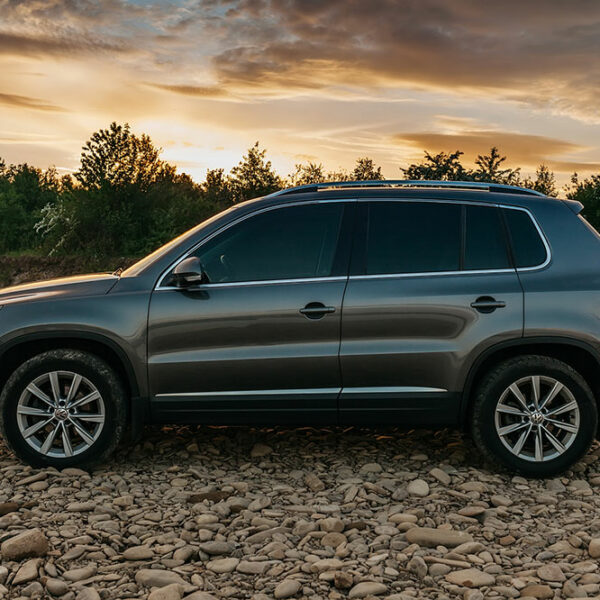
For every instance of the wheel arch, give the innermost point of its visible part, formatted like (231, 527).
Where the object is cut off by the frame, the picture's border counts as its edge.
(583, 357)
(24, 347)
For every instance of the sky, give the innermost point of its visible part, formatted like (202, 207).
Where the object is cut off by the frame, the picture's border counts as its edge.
(312, 80)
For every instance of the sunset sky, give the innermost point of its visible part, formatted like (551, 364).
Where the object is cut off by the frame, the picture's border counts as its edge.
(316, 80)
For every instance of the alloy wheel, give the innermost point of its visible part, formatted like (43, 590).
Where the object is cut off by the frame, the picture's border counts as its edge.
(61, 414)
(537, 418)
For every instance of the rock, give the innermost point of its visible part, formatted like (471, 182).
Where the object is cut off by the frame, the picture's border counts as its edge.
(168, 592)
(473, 595)
(81, 573)
(418, 566)
(367, 588)
(9, 507)
(157, 578)
(441, 476)
(56, 587)
(313, 482)
(543, 592)
(138, 553)
(470, 578)
(418, 487)
(27, 572)
(259, 450)
(594, 548)
(252, 567)
(333, 539)
(331, 524)
(498, 500)
(342, 580)
(425, 536)
(551, 572)
(217, 548)
(28, 543)
(469, 548)
(326, 564)
(35, 588)
(223, 565)
(287, 588)
(88, 593)
(200, 596)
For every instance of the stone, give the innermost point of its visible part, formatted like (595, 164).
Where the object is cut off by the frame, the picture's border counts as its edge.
(23, 545)
(157, 578)
(138, 553)
(441, 476)
(426, 536)
(594, 548)
(56, 587)
(28, 571)
(367, 588)
(222, 565)
(331, 524)
(313, 482)
(217, 548)
(87, 593)
(342, 580)
(200, 596)
(260, 450)
(287, 588)
(252, 567)
(551, 572)
(544, 592)
(172, 591)
(470, 578)
(418, 566)
(80, 573)
(418, 487)
(333, 539)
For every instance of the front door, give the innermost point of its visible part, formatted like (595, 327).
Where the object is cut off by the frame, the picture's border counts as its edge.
(260, 339)
(432, 283)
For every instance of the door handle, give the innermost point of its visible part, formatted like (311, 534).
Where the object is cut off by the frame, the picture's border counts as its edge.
(316, 310)
(487, 304)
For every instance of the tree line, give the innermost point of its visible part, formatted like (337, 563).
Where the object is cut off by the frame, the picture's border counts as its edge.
(124, 200)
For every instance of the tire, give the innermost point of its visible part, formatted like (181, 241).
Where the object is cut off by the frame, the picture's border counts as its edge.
(519, 441)
(71, 433)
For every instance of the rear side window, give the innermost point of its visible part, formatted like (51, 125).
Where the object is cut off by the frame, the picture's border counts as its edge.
(485, 239)
(528, 248)
(413, 237)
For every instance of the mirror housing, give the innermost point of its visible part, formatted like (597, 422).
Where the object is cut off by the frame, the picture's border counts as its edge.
(189, 272)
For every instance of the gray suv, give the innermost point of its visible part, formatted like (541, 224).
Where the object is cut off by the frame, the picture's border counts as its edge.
(404, 303)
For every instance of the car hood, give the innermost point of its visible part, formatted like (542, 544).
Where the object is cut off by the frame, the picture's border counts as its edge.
(79, 285)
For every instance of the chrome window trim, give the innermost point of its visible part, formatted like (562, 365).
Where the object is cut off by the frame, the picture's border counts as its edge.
(160, 287)
(400, 389)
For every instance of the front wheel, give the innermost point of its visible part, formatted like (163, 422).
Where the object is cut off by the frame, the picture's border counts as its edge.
(534, 414)
(63, 408)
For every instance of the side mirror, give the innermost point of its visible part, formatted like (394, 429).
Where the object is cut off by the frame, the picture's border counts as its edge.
(189, 272)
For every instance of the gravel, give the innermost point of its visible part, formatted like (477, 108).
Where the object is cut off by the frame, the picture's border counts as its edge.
(212, 513)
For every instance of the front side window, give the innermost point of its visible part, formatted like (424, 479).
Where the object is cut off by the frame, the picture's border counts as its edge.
(292, 242)
(413, 237)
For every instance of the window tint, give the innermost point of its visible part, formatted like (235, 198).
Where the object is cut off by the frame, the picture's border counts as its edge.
(413, 237)
(284, 243)
(485, 239)
(528, 248)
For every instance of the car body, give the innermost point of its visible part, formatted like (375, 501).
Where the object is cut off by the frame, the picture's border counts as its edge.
(330, 324)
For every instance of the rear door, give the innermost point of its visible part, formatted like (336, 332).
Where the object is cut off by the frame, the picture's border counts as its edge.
(431, 283)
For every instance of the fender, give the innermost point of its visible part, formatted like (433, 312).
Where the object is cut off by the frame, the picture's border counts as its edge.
(81, 335)
(515, 343)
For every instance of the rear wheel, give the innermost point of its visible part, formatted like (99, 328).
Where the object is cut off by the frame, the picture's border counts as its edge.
(534, 414)
(63, 408)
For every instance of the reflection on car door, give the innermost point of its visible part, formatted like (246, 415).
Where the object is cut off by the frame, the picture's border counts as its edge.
(261, 338)
(432, 281)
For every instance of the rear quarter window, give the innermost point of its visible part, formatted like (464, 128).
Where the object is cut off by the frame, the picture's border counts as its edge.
(528, 247)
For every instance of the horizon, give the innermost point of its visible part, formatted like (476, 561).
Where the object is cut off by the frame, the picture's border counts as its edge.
(322, 83)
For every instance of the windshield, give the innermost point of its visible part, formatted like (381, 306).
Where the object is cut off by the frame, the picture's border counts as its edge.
(139, 266)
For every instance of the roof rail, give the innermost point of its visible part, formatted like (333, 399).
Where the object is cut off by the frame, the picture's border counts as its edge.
(417, 183)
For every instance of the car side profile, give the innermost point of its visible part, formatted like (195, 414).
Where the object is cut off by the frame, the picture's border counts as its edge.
(405, 303)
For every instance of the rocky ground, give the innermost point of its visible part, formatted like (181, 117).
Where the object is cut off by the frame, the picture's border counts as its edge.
(241, 513)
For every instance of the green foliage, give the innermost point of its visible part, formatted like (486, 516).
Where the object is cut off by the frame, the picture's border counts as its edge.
(439, 167)
(254, 176)
(125, 200)
(588, 193)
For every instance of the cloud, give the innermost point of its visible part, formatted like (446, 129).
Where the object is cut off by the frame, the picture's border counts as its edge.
(13, 100)
(523, 150)
(192, 90)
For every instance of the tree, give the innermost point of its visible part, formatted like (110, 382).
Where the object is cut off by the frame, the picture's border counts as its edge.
(365, 170)
(253, 176)
(439, 167)
(116, 158)
(588, 193)
(544, 181)
(308, 173)
(216, 188)
(489, 169)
